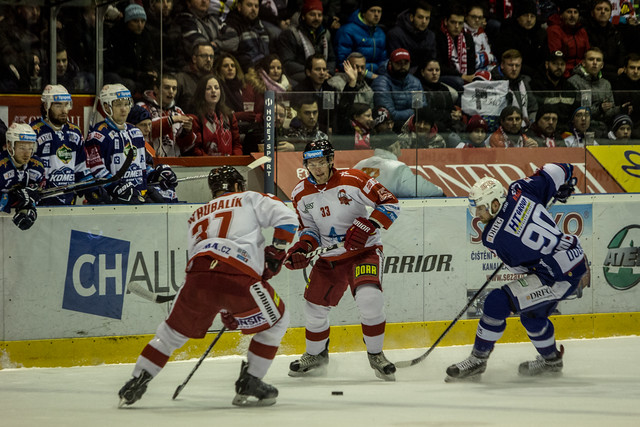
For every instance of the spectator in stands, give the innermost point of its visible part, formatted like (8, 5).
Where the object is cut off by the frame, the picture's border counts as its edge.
(357, 129)
(510, 132)
(519, 93)
(201, 65)
(304, 127)
(281, 130)
(543, 130)
(524, 33)
(456, 49)
(172, 129)
(587, 78)
(383, 122)
(160, 24)
(566, 33)
(420, 131)
(473, 24)
(550, 87)
(79, 35)
(129, 51)
(141, 118)
(411, 32)
(308, 37)
(352, 82)
(393, 89)
(243, 34)
(477, 128)
(214, 123)
(579, 134)
(362, 34)
(241, 96)
(620, 133)
(441, 98)
(395, 175)
(270, 70)
(69, 75)
(626, 91)
(604, 35)
(316, 76)
(276, 17)
(197, 24)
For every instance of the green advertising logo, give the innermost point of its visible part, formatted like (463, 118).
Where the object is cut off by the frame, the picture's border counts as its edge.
(622, 265)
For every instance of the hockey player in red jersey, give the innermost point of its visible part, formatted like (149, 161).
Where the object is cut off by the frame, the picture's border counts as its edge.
(332, 208)
(227, 273)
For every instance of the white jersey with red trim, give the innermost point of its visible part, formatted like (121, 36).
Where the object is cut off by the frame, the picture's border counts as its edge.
(229, 228)
(327, 211)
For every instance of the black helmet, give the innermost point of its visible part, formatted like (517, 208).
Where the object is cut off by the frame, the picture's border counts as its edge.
(316, 149)
(223, 178)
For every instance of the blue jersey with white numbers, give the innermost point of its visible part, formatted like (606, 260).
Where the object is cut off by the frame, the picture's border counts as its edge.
(63, 157)
(29, 175)
(524, 235)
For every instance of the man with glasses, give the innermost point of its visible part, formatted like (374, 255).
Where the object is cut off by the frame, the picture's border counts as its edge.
(332, 208)
(474, 25)
(201, 64)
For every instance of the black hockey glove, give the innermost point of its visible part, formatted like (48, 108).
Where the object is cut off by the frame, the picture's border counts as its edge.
(24, 198)
(95, 196)
(565, 190)
(25, 218)
(164, 176)
(125, 192)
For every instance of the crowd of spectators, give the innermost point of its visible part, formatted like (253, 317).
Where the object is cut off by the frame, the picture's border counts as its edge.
(532, 73)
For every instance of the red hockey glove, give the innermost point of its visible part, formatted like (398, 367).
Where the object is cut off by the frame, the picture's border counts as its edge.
(297, 256)
(273, 258)
(228, 320)
(358, 234)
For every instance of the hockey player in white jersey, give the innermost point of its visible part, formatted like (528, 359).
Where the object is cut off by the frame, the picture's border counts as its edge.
(227, 273)
(332, 208)
(522, 233)
(395, 175)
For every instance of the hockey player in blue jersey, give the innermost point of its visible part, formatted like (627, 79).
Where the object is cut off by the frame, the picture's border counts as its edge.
(21, 175)
(60, 147)
(522, 233)
(110, 141)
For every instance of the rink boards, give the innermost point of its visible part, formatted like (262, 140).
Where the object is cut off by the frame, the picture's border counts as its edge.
(64, 299)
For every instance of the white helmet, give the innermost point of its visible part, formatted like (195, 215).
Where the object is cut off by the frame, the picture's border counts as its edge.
(19, 132)
(110, 93)
(484, 192)
(55, 93)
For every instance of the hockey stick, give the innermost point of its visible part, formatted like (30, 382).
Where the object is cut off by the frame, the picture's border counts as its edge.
(142, 292)
(319, 251)
(85, 185)
(206, 353)
(407, 363)
(259, 162)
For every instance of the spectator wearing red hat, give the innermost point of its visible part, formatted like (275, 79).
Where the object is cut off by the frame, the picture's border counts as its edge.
(298, 42)
(362, 34)
(393, 89)
(477, 128)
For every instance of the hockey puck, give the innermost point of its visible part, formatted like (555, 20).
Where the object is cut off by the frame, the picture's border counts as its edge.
(337, 393)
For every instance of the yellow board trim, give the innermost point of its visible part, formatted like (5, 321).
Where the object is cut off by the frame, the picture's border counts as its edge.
(107, 350)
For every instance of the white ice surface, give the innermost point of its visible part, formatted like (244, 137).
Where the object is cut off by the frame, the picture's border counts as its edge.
(600, 386)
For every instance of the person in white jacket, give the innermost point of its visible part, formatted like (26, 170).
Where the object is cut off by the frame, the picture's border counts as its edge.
(395, 175)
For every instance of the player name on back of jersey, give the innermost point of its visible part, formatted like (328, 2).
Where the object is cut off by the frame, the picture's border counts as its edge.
(214, 205)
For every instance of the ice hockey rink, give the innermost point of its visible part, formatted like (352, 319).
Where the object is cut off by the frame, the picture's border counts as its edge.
(600, 386)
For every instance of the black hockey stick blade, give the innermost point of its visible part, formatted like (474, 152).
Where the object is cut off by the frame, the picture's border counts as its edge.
(206, 353)
(142, 292)
(85, 185)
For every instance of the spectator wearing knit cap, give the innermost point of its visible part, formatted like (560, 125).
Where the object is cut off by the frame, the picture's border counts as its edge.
(580, 130)
(543, 130)
(298, 42)
(362, 34)
(620, 133)
(477, 128)
(141, 118)
(395, 175)
(566, 33)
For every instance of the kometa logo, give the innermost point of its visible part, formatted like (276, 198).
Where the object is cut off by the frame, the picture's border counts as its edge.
(96, 275)
(622, 266)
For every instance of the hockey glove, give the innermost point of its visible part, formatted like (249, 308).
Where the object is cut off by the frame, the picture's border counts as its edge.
(297, 256)
(228, 320)
(164, 176)
(565, 190)
(273, 258)
(24, 218)
(358, 234)
(24, 198)
(125, 192)
(95, 196)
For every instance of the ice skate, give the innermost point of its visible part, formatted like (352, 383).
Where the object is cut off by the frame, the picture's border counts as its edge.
(310, 365)
(383, 369)
(133, 390)
(469, 369)
(542, 366)
(252, 391)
